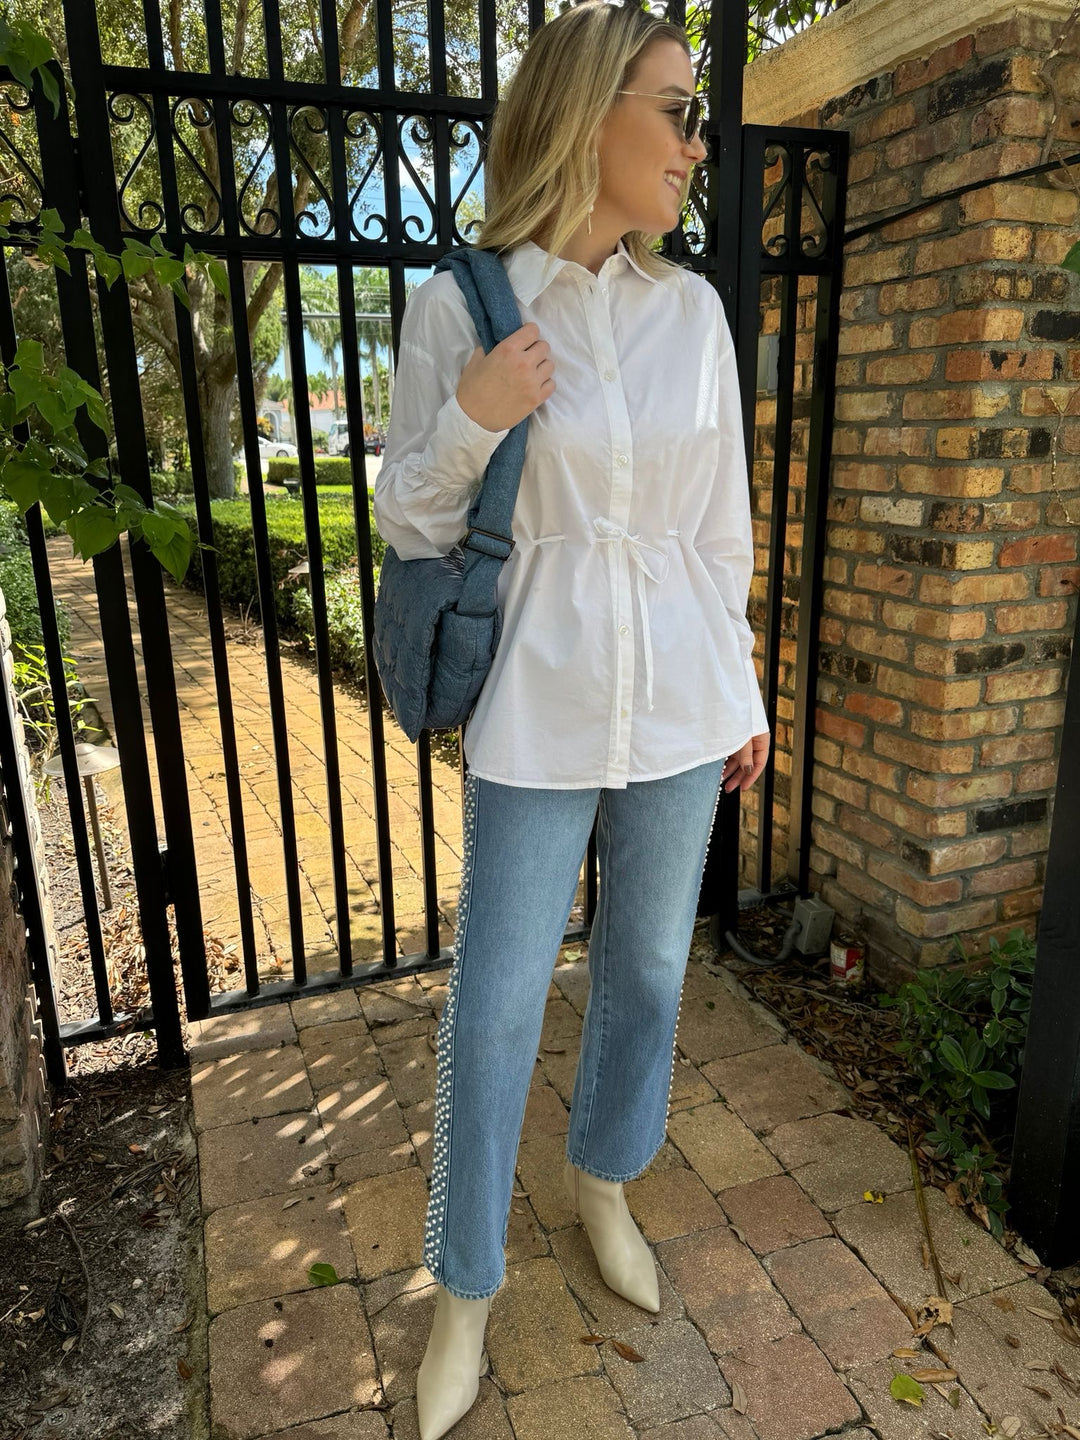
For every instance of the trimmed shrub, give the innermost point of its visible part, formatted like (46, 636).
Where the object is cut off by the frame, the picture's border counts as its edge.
(329, 469)
(17, 583)
(237, 575)
(344, 621)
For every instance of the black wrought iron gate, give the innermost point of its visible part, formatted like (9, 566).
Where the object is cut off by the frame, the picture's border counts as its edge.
(330, 158)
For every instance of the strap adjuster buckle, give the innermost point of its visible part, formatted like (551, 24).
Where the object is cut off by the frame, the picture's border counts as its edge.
(492, 550)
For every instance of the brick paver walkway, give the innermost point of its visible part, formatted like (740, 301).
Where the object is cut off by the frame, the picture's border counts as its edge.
(203, 756)
(783, 1289)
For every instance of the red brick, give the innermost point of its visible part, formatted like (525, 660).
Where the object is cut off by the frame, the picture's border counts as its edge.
(933, 726)
(1003, 158)
(900, 369)
(913, 74)
(970, 247)
(1013, 619)
(1024, 902)
(847, 731)
(857, 822)
(1023, 684)
(859, 884)
(954, 404)
(934, 759)
(727, 1293)
(966, 326)
(966, 790)
(876, 772)
(884, 578)
(1001, 879)
(973, 589)
(926, 294)
(962, 480)
(965, 855)
(773, 1213)
(953, 921)
(1038, 550)
(1042, 776)
(875, 707)
(839, 1301)
(1012, 748)
(915, 887)
(999, 365)
(937, 624)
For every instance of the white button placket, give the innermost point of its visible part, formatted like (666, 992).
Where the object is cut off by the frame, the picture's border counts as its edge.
(440, 1159)
(598, 310)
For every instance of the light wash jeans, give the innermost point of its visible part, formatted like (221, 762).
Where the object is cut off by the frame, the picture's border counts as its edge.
(522, 854)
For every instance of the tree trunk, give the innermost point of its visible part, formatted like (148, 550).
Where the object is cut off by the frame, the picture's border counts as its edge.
(373, 356)
(216, 414)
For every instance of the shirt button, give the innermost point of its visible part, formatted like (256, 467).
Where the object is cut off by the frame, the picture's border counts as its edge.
(621, 460)
(609, 374)
(624, 714)
(624, 629)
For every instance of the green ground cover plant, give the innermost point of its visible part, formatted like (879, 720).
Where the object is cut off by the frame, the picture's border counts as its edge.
(963, 1032)
(329, 469)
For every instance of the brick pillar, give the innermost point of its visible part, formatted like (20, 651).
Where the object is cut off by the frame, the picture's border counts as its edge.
(23, 1097)
(951, 571)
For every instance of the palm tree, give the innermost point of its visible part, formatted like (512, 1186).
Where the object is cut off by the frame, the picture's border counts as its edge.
(318, 295)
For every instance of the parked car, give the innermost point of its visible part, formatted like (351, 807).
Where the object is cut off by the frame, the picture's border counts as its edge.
(337, 438)
(373, 444)
(276, 448)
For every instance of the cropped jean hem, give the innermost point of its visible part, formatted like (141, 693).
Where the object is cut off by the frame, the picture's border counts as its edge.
(617, 1179)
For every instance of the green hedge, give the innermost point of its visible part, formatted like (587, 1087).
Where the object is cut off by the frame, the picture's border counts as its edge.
(17, 583)
(237, 576)
(344, 621)
(329, 469)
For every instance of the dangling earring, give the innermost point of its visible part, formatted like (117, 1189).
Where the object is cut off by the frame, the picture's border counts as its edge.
(588, 220)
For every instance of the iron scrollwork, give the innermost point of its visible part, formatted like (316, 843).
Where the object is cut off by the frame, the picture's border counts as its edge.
(128, 109)
(308, 132)
(421, 131)
(23, 187)
(245, 115)
(364, 147)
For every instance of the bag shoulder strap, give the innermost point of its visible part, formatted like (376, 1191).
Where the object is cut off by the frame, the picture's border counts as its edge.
(494, 311)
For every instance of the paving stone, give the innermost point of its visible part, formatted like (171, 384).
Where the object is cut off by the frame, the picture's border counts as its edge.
(409, 1029)
(358, 1425)
(610, 1313)
(672, 1202)
(697, 1427)
(720, 1147)
(393, 1000)
(839, 1301)
(420, 1122)
(993, 1371)
(688, 1087)
(338, 1052)
(225, 1034)
(792, 1392)
(253, 1083)
(373, 1162)
(776, 1085)
(385, 1214)
(678, 1376)
(261, 1248)
(562, 1023)
(666, 1158)
(572, 980)
(320, 1359)
(772, 1213)
(725, 1290)
(586, 1408)
(410, 1065)
(889, 1237)
(261, 1157)
(401, 1328)
(895, 1420)
(714, 1022)
(545, 1113)
(525, 1240)
(558, 1066)
(836, 1158)
(325, 1009)
(359, 1116)
(388, 1288)
(540, 1165)
(534, 1333)
(485, 1421)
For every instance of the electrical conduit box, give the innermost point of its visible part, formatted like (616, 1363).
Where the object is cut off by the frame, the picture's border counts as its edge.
(816, 919)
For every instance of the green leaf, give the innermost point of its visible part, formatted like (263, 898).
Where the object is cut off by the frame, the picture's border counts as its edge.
(30, 355)
(219, 277)
(21, 480)
(953, 1056)
(167, 269)
(903, 1387)
(993, 1080)
(1072, 259)
(134, 265)
(93, 529)
(322, 1274)
(63, 495)
(170, 541)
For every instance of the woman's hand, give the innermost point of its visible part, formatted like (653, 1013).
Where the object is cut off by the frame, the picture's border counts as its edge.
(499, 389)
(744, 767)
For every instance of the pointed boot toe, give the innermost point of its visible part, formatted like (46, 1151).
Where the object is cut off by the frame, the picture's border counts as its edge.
(448, 1380)
(624, 1259)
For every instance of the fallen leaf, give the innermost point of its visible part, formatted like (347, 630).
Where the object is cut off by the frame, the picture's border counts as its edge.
(1013, 1342)
(925, 1256)
(34, 1224)
(290, 1203)
(1066, 1331)
(1009, 1426)
(738, 1398)
(322, 1274)
(954, 1194)
(904, 1388)
(184, 1370)
(117, 1310)
(184, 1324)
(875, 1197)
(137, 1149)
(932, 1312)
(1038, 1389)
(554, 1049)
(905, 1352)
(1042, 1314)
(1037, 1365)
(954, 1399)
(69, 1343)
(628, 1352)
(592, 1339)
(933, 1377)
(1004, 1302)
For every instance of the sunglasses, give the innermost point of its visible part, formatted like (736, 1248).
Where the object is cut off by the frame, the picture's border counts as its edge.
(692, 120)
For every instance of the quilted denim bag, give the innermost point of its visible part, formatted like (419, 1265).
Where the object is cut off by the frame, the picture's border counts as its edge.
(437, 622)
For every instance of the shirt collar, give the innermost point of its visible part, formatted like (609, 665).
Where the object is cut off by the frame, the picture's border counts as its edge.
(531, 269)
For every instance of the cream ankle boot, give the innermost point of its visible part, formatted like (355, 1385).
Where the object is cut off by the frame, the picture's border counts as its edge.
(449, 1376)
(625, 1260)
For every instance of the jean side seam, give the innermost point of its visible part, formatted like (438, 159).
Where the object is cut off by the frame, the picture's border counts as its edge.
(603, 928)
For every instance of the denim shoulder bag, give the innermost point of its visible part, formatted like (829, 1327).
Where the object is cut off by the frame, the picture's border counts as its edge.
(437, 622)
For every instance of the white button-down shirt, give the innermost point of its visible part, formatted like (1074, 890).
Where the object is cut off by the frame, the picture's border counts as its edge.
(625, 652)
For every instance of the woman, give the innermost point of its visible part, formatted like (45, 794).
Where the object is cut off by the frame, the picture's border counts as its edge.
(623, 688)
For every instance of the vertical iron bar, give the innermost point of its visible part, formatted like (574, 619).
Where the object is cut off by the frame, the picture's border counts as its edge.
(76, 319)
(54, 664)
(114, 308)
(815, 518)
(489, 45)
(1046, 1148)
(316, 576)
(427, 844)
(537, 17)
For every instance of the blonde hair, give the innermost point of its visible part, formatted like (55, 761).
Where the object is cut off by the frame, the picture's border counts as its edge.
(542, 173)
